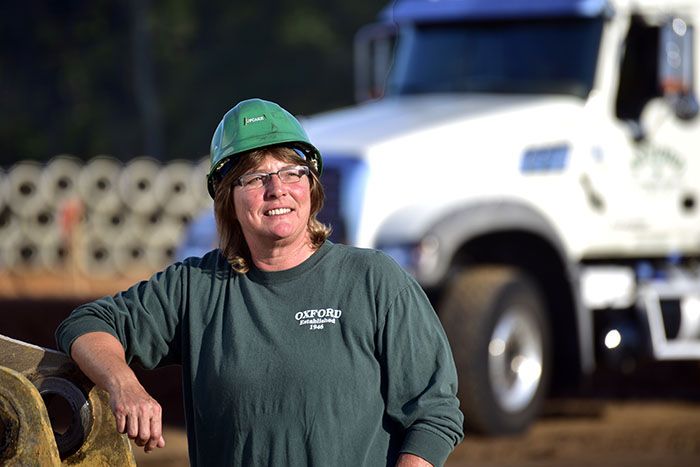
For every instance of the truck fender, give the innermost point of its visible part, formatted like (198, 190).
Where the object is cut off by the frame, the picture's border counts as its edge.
(446, 232)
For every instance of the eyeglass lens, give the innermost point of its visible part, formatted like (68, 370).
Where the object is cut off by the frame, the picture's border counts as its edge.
(286, 175)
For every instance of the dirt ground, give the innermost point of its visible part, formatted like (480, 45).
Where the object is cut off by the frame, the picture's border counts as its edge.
(595, 433)
(648, 419)
(619, 434)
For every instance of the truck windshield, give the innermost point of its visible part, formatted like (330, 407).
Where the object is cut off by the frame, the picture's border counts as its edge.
(536, 56)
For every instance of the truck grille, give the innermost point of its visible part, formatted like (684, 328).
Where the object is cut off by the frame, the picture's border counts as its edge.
(330, 213)
(343, 181)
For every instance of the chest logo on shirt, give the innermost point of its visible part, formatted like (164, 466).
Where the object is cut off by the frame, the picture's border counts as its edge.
(316, 319)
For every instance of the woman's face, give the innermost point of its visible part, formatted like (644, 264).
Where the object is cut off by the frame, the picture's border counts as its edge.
(277, 213)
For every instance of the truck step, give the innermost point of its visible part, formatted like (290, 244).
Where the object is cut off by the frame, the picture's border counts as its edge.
(672, 310)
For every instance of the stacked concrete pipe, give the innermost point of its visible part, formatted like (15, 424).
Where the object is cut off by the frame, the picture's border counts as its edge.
(132, 214)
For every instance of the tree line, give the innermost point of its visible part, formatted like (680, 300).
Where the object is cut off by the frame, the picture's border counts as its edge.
(143, 77)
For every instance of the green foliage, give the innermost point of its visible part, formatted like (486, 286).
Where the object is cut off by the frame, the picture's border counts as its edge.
(100, 77)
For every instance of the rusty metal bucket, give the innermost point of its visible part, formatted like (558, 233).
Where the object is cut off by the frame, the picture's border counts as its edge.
(51, 414)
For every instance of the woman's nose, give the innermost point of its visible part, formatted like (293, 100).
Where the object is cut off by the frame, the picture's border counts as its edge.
(274, 186)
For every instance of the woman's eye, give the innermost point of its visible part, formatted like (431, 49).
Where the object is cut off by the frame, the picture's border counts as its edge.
(294, 174)
(253, 180)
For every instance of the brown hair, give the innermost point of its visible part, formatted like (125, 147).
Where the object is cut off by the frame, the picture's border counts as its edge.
(231, 240)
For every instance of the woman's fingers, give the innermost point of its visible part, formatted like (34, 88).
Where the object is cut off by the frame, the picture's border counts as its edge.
(132, 425)
(155, 432)
(139, 416)
(121, 421)
(144, 421)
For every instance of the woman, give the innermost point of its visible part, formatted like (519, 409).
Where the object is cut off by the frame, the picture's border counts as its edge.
(295, 351)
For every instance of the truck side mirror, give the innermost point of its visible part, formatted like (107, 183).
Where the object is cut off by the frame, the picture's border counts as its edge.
(374, 45)
(676, 63)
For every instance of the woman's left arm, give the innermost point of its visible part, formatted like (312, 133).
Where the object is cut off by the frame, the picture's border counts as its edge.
(409, 460)
(421, 380)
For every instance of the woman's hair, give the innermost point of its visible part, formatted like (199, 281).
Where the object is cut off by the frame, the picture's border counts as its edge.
(231, 240)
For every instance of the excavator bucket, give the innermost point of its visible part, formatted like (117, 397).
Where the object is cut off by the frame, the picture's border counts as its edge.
(51, 414)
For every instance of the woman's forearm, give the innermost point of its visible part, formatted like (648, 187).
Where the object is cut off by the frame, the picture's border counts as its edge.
(101, 357)
(411, 460)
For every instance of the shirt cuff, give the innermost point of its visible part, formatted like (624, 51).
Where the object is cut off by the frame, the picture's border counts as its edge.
(430, 446)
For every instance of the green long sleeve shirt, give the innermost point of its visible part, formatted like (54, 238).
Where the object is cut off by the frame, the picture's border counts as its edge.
(338, 361)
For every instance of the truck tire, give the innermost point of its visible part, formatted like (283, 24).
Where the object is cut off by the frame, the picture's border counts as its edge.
(495, 321)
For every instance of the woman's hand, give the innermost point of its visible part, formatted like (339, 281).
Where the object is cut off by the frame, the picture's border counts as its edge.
(101, 357)
(138, 415)
(410, 460)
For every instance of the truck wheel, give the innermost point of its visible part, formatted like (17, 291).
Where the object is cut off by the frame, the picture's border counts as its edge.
(495, 321)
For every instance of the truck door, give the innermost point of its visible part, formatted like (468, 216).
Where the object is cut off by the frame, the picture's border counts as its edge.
(666, 165)
(646, 168)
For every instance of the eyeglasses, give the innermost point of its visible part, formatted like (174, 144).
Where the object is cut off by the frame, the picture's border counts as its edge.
(259, 179)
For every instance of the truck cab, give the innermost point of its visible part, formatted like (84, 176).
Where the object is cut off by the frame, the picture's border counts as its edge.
(534, 166)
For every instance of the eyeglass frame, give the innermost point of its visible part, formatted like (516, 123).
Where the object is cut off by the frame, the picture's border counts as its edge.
(267, 176)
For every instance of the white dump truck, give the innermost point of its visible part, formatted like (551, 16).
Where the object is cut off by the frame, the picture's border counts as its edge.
(535, 164)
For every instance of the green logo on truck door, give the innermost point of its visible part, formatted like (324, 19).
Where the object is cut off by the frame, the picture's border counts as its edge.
(657, 167)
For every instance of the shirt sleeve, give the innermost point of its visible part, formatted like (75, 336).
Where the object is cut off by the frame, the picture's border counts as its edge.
(145, 318)
(420, 377)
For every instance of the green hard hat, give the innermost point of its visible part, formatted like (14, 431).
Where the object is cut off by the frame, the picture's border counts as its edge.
(254, 124)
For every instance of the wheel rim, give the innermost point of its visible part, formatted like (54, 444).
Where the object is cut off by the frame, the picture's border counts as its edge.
(515, 359)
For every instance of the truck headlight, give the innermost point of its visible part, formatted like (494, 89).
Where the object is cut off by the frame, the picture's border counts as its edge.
(416, 258)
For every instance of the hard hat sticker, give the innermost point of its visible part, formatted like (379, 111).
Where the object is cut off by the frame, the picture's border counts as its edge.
(248, 120)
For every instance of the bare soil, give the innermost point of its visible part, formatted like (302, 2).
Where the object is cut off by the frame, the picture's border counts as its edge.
(619, 434)
(596, 433)
(647, 418)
